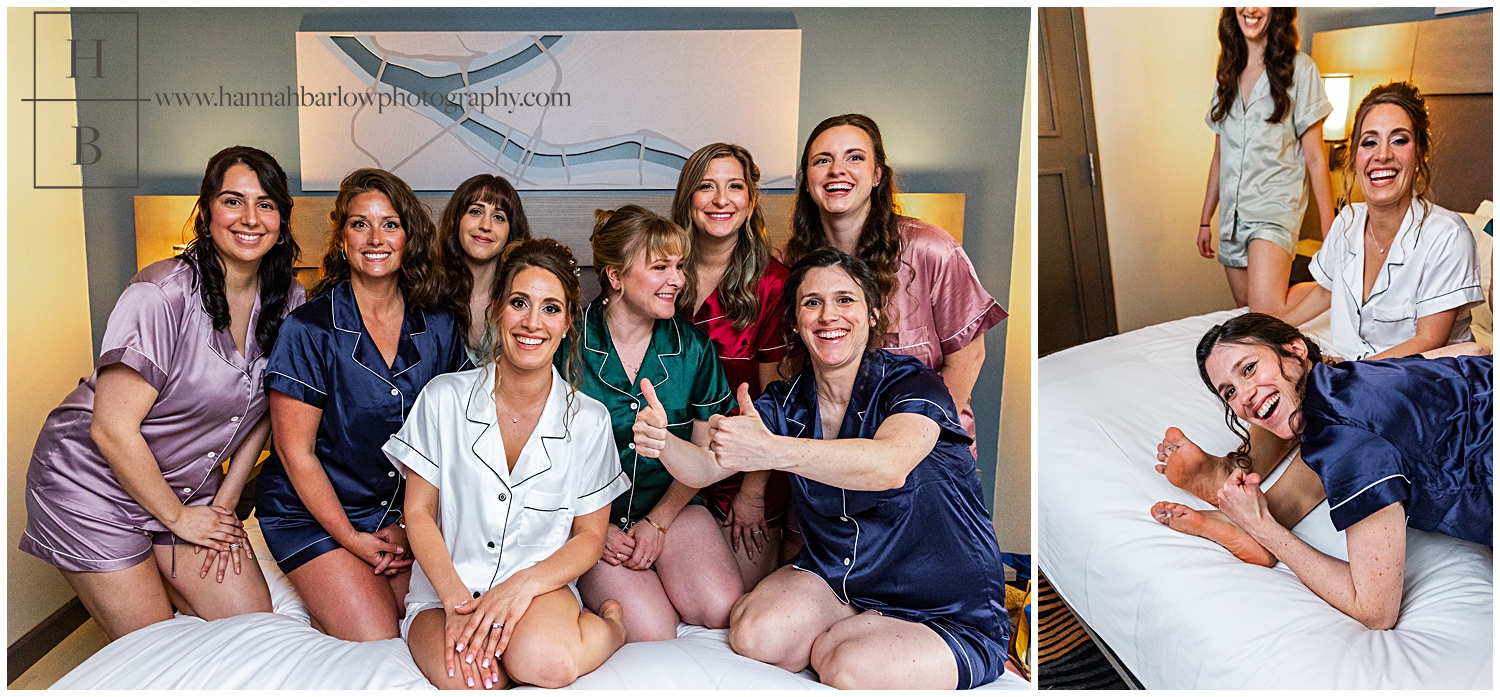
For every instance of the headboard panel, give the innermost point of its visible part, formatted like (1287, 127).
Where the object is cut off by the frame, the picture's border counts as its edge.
(163, 221)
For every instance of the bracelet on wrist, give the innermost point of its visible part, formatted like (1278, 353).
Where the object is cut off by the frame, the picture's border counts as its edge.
(648, 519)
(1205, 225)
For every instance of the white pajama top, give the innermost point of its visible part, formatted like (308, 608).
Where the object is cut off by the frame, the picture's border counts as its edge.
(1432, 266)
(497, 521)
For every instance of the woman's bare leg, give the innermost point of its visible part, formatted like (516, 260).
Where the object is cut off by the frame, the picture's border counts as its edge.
(1290, 499)
(1270, 273)
(1191, 469)
(754, 565)
(425, 638)
(1215, 527)
(1239, 284)
(649, 615)
(871, 652)
(207, 597)
(554, 643)
(698, 571)
(122, 601)
(348, 600)
(778, 621)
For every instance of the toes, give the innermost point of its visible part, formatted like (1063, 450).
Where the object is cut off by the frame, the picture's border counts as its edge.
(1161, 469)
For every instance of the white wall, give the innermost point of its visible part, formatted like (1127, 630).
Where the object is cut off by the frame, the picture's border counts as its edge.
(48, 311)
(1153, 77)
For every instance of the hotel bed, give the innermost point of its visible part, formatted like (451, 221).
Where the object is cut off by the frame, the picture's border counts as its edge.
(1180, 611)
(281, 651)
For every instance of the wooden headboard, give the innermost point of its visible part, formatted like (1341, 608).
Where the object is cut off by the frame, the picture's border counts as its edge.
(164, 221)
(1451, 61)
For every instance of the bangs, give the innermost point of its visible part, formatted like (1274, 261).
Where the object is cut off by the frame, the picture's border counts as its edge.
(491, 194)
(664, 239)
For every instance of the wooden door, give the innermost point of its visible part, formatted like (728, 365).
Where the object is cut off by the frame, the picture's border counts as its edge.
(1076, 301)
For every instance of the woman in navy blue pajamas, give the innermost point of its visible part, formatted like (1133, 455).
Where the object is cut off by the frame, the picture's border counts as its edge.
(1398, 443)
(899, 584)
(343, 376)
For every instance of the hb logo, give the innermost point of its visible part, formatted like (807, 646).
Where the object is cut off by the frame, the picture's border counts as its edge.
(86, 105)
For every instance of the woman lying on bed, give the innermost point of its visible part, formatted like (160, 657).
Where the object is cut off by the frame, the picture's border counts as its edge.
(512, 471)
(1411, 262)
(899, 584)
(1398, 443)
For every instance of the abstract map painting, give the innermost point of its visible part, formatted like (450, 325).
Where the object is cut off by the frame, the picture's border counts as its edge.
(548, 111)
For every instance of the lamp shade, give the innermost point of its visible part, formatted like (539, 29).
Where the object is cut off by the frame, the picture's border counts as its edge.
(1337, 85)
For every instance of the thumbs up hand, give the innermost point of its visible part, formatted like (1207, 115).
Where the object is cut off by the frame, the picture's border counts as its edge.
(650, 428)
(742, 443)
(747, 405)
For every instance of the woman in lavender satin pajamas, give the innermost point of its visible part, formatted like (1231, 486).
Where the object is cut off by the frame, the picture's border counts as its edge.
(130, 466)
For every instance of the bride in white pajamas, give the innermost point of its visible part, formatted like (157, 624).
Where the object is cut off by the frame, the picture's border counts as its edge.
(514, 471)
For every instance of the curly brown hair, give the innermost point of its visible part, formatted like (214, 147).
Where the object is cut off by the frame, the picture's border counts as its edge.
(739, 287)
(480, 188)
(880, 239)
(1280, 58)
(275, 272)
(421, 275)
(1254, 328)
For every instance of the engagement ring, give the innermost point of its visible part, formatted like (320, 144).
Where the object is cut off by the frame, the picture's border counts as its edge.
(235, 545)
(497, 625)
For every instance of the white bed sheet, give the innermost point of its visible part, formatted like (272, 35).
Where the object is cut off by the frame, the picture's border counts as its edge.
(281, 651)
(1180, 611)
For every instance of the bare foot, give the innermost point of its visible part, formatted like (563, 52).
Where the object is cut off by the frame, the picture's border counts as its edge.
(1212, 526)
(613, 615)
(1189, 468)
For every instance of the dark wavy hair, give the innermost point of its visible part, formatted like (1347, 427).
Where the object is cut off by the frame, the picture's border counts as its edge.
(880, 239)
(275, 273)
(1406, 96)
(859, 271)
(1280, 58)
(555, 258)
(739, 288)
(1251, 329)
(459, 285)
(421, 275)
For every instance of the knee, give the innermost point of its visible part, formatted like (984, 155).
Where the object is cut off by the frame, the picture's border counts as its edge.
(547, 666)
(837, 666)
(756, 635)
(719, 603)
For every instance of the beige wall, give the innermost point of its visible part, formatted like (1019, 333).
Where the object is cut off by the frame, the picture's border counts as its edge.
(48, 322)
(1153, 76)
(1012, 504)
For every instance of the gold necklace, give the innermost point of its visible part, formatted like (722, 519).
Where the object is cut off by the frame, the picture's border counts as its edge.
(508, 410)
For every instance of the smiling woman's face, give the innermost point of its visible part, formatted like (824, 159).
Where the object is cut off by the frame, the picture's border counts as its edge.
(833, 319)
(373, 236)
(1258, 385)
(841, 171)
(1385, 156)
(533, 318)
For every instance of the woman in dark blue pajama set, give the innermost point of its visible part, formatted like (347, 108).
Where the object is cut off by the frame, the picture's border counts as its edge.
(924, 552)
(1397, 443)
(899, 583)
(342, 378)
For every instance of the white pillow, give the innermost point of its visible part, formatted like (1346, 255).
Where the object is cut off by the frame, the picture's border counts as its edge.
(1482, 318)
